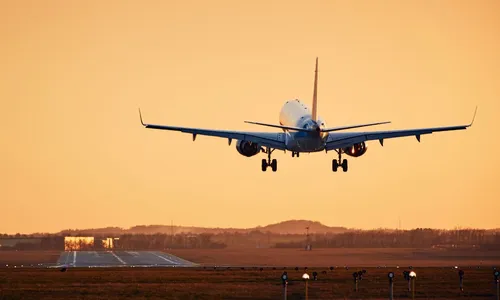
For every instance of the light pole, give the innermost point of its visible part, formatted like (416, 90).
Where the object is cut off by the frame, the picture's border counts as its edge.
(355, 276)
(284, 279)
(406, 275)
(496, 274)
(306, 279)
(413, 276)
(391, 284)
(315, 275)
(461, 276)
(308, 243)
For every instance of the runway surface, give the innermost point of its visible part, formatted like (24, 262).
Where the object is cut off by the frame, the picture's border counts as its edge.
(121, 259)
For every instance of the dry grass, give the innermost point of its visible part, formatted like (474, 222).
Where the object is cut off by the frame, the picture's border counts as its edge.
(365, 257)
(28, 257)
(338, 256)
(251, 283)
(170, 283)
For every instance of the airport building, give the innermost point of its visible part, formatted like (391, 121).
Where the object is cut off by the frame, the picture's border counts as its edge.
(77, 243)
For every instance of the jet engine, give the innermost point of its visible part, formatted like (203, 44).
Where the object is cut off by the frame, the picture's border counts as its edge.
(355, 150)
(247, 148)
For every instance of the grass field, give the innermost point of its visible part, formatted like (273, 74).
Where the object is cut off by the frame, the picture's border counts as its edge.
(205, 282)
(365, 257)
(181, 283)
(28, 257)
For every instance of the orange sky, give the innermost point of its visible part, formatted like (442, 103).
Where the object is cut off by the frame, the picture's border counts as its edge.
(73, 74)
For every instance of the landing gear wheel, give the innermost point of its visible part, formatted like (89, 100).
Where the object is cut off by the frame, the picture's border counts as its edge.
(344, 165)
(274, 165)
(268, 162)
(335, 165)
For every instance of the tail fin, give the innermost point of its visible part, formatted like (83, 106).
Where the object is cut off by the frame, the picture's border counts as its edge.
(315, 94)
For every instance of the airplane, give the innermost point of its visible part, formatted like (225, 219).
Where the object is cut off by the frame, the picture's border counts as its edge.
(303, 131)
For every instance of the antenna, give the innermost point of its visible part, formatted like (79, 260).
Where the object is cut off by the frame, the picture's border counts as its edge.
(308, 242)
(171, 233)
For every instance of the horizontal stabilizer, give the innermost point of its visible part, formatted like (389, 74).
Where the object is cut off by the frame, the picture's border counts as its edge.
(353, 126)
(279, 126)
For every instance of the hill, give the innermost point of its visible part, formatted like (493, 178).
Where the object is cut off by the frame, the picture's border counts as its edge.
(285, 227)
(299, 227)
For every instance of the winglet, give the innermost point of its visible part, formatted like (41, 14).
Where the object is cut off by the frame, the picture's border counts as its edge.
(140, 116)
(474, 117)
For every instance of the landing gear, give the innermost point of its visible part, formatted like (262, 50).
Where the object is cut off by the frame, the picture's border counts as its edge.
(295, 154)
(274, 165)
(269, 163)
(336, 163)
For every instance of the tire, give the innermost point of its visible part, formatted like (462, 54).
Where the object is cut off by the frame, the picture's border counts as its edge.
(344, 165)
(274, 165)
(298, 154)
(335, 165)
(264, 165)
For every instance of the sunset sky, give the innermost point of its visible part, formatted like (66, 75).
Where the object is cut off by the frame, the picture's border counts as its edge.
(74, 73)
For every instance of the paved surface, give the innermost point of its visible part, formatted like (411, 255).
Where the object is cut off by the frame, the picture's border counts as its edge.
(121, 259)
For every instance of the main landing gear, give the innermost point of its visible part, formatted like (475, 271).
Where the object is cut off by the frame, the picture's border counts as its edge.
(336, 163)
(295, 154)
(269, 163)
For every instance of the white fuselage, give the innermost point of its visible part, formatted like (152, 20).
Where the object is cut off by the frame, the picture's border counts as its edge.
(296, 114)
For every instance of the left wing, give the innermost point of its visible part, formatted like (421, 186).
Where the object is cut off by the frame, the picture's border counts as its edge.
(279, 126)
(265, 139)
(342, 140)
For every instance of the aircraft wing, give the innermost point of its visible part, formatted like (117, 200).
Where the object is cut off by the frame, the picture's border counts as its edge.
(342, 140)
(265, 139)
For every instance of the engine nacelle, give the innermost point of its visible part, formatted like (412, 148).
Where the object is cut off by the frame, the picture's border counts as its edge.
(247, 148)
(355, 150)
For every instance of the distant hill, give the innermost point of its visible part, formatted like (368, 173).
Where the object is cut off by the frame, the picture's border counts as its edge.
(299, 227)
(285, 227)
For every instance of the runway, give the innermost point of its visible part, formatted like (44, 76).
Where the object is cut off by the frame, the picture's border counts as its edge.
(121, 259)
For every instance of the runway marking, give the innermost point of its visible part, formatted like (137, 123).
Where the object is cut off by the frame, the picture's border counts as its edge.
(67, 257)
(175, 263)
(117, 257)
(133, 253)
(180, 260)
(74, 258)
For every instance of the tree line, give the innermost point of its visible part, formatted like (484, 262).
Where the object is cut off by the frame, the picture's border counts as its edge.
(420, 237)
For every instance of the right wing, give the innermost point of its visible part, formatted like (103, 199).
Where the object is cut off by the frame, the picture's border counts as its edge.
(265, 139)
(342, 140)
(353, 126)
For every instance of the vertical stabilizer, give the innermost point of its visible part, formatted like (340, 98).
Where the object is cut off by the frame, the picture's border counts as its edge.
(315, 94)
